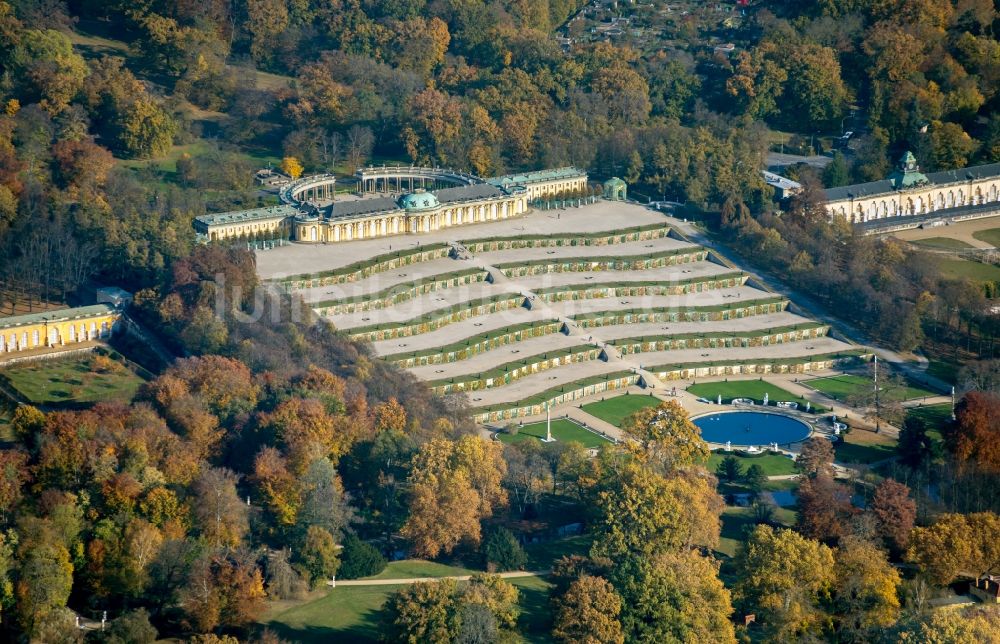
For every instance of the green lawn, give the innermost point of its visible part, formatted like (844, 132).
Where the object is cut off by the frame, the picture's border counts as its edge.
(616, 410)
(348, 613)
(541, 555)
(351, 614)
(991, 236)
(943, 369)
(773, 464)
(776, 485)
(71, 380)
(862, 454)
(962, 268)
(843, 386)
(737, 521)
(945, 243)
(936, 417)
(754, 389)
(562, 430)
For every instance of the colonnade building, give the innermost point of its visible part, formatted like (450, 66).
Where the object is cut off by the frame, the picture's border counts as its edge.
(389, 200)
(909, 192)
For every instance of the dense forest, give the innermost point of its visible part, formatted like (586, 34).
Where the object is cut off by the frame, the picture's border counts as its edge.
(276, 454)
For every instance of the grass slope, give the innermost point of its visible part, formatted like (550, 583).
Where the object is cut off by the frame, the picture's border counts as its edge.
(990, 236)
(962, 268)
(946, 243)
(351, 614)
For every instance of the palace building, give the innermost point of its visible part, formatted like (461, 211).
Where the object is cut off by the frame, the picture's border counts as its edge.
(391, 201)
(61, 328)
(909, 192)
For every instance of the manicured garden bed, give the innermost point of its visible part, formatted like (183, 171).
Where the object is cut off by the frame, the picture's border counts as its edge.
(845, 386)
(754, 389)
(76, 379)
(772, 464)
(562, 430)
(616, 410)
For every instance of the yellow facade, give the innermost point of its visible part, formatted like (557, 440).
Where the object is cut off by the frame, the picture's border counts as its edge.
(315, 229)
(61, 328)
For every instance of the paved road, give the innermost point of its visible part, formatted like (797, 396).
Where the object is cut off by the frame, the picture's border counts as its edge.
(777, 159)
(414, 580)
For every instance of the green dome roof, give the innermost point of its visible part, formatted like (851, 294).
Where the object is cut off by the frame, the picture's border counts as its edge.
(419, 201)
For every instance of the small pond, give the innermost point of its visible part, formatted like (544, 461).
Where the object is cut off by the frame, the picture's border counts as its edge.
(751, 428)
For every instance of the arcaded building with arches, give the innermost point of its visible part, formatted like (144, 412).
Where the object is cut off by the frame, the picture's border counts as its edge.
(909, 192)
(392, 200)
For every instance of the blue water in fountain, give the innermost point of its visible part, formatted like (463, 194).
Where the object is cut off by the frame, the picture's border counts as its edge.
(743, 428)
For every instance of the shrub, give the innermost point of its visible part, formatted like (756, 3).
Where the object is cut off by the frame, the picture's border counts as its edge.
(502, 552)
(359, 559)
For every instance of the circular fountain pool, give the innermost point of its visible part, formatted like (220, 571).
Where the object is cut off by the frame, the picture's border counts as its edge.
(751, 428)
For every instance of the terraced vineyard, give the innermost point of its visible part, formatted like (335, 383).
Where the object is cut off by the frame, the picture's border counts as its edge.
(553, 308)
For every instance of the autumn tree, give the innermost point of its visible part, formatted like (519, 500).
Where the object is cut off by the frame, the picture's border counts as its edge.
(665, 436)
(894, 512)
(421, 612)
(784, 578)
(955, 544)
(671, 597)
(816, 457)
(453, 486)
(47, 69)
(281, 490)
(974, 439)
(317, 555)
(46, 574)
(824, 508)
(864, 590)
(588, 613)
(292, 167)
(218, 510)
(643, 512)
(224, 588)
(971, 624)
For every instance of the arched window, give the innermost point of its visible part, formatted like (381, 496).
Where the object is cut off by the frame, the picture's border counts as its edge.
(72, 333)
(312, 233)
(53, 337)
(34, 338)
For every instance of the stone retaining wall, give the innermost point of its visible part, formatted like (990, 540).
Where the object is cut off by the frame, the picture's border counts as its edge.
(793, 365)
(488, 245)
(583, 264)
(476, 347)
(518, 410)
(737, 341)
(299, 281)
(426, 326)
(514, 374)
(625, 290)
(400, 293)
(693, 315)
